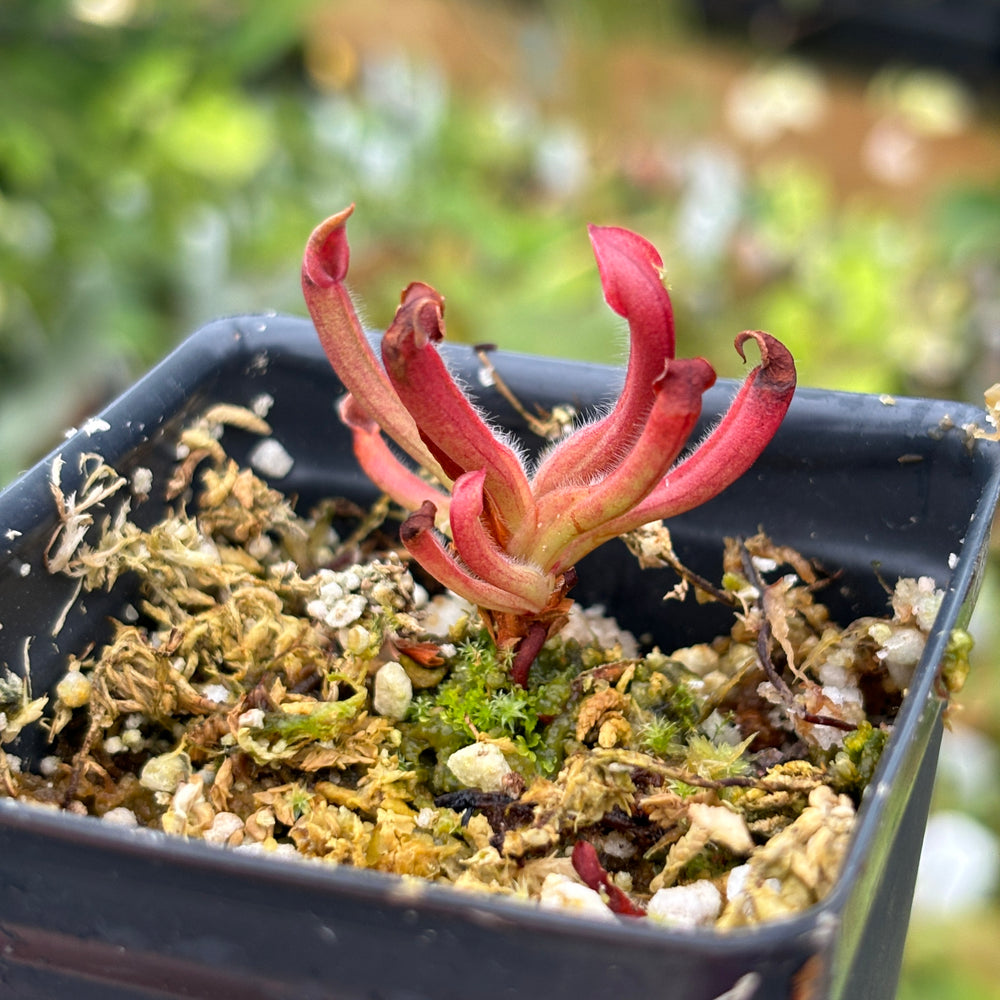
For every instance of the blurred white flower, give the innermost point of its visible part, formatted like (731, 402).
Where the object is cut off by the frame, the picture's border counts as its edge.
(562, 161)
(930, 103)
(104, 13)
(787, 97)
(959, 865)
(711, 202)
(891, 153)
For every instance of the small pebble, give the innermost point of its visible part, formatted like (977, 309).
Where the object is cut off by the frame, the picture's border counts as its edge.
(120, 816)
(560, 892)
(443, 612)
(261, 405)
(252, 718)
(357, 639)
(74, 689)
(480, 765)
(270, 458)
(132, 739)
(218, 693)
(393, 691)
(166, 773)
(48, 766)
(142, 481)
(694, 905)
(426, 818)
(736, 882)
(224, 825)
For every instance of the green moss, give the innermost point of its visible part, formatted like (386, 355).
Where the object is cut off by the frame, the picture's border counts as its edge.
(477, 697)
(666, 709)
(852, 767)
(660, 736)
(280, 735)
(716, 761)
(955, 665)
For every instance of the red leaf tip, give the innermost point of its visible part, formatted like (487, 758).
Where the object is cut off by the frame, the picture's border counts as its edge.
(620, 254)
(327, 253)
(421, 308)
(777, 363)
(418, 522)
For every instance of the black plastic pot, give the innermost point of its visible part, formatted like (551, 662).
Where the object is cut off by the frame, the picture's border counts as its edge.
(961, 36)
(93, 911)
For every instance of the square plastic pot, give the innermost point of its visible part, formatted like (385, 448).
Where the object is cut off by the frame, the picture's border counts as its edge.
(872, 487)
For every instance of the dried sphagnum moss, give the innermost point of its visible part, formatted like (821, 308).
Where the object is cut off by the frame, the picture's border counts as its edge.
(238, 706)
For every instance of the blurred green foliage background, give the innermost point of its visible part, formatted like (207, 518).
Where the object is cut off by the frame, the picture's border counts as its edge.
(162, 163)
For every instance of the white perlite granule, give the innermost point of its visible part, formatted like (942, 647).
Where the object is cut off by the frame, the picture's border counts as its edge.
(693, 905)
(270, 458)
(393, 691)
(480, 765)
